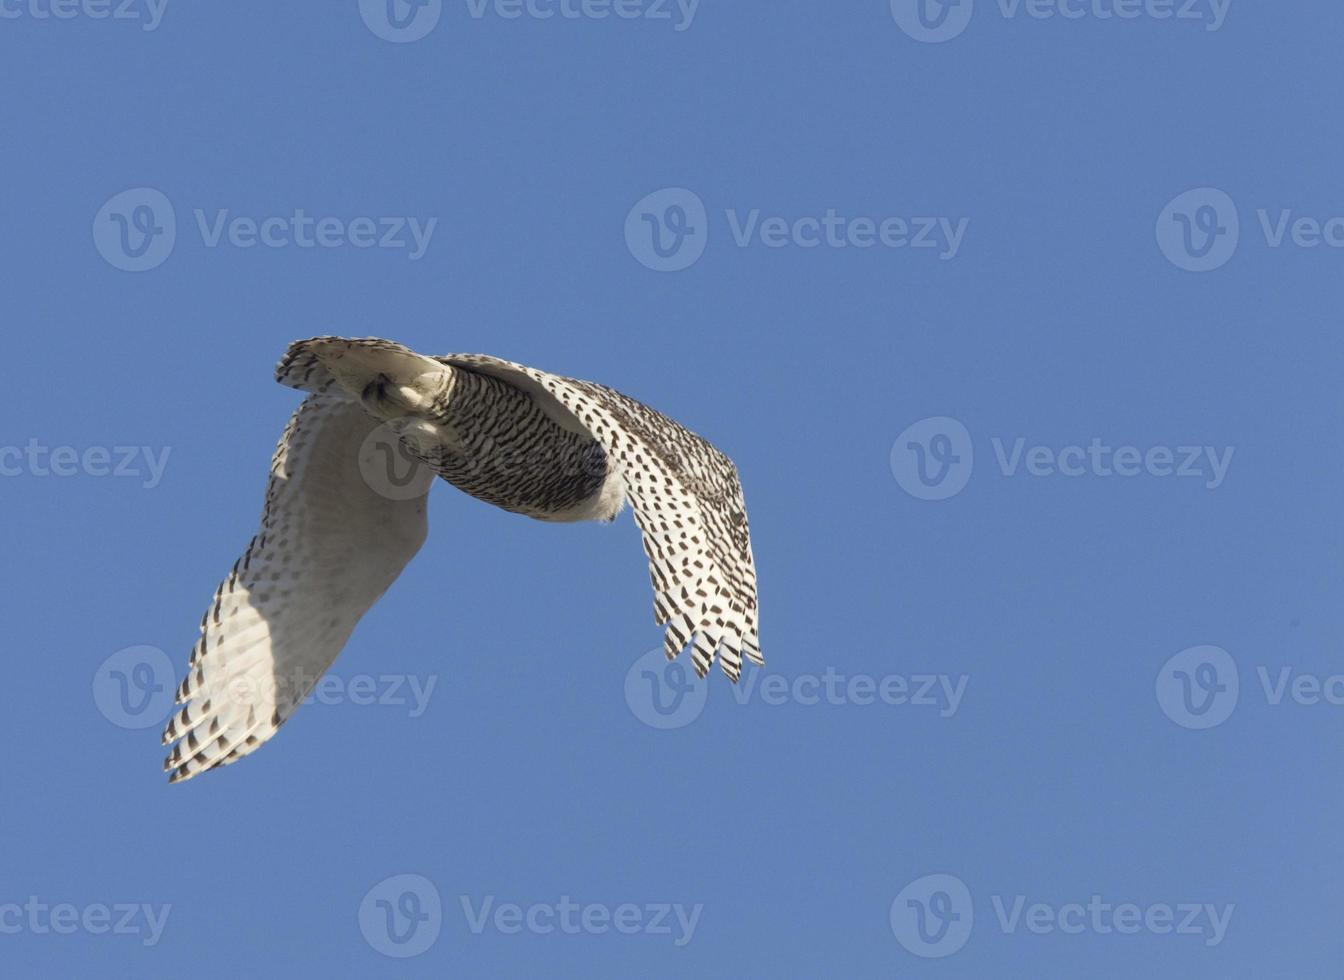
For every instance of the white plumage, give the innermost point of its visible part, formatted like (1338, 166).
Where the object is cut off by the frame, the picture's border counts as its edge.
(332, 541)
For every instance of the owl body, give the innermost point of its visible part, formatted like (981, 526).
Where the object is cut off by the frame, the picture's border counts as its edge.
(493, 441)
(332, 540)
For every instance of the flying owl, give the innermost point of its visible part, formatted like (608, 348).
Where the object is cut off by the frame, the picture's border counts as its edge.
(335, 534)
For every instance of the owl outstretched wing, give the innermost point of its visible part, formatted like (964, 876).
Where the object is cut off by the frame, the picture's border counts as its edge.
(330, 544)
(687, 501)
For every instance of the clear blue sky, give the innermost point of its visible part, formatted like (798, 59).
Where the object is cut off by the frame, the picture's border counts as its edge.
(1075, 297)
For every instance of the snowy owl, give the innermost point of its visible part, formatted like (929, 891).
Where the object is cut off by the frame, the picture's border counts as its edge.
(334, 536)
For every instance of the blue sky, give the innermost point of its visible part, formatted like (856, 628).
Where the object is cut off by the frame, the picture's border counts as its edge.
(1022, 323)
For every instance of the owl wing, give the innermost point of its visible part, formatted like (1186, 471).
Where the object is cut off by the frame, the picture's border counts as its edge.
(331, 542)
(687, 501)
